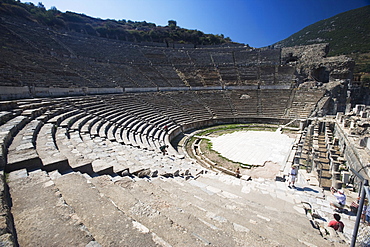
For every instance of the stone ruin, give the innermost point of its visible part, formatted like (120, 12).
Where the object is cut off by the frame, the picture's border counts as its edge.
(82, 119)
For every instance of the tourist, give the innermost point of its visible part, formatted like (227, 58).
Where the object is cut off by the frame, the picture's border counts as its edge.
(163, 149)
(366, 213)
(237, 173)
(165, 128)
(354, 206)
(341, 199)
(336, 224)
(293, 176)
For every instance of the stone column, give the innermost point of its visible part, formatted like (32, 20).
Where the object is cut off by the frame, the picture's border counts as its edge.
(302, 125)
(348, 109)
(352, 124)
(335, 106)
(296, 159)
(300, 148)
(339, 117)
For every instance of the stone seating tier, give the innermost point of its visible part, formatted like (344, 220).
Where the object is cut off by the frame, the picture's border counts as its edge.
(64, 119)
(66, 60)
(248, 74)
(51, 157)
(68, 146)
(154, 55)
(22, 152)
(200, 58)
(223, 58)
(5, 116)
(125, 142)
(142, 204)
(137, 119)
(8, 131)
(169, 73)
(246, 57)
(303, 103)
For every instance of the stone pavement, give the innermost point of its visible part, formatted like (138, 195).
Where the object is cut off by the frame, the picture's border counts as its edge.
(254, 147)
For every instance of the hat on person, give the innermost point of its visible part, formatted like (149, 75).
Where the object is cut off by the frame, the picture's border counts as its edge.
(341, 191)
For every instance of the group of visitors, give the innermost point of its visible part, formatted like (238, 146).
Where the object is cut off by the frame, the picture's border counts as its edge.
(339, 205)
(337, 224)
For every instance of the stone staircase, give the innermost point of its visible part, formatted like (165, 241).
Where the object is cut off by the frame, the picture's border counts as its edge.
(324, 166)
(208, 209)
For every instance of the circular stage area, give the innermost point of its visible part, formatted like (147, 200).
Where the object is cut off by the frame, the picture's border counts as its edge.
(254, 147)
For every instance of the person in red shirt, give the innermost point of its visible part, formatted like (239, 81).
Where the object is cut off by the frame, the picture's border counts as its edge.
(336, 224)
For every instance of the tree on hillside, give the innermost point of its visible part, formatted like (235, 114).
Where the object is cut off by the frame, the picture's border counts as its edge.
(40, 5)
(133, 31)
(172, 24)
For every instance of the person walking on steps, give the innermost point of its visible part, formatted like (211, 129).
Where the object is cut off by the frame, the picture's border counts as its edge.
(163, 149)
(293, 176)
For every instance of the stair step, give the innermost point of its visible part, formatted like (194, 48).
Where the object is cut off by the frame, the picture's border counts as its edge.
(126, 200)
(108, 225)
(254, 210)
(45, 219)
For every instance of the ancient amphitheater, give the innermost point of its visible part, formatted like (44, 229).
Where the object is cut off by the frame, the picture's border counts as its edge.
(82, 119)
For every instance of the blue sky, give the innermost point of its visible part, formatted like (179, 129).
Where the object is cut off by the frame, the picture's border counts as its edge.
(255, 22)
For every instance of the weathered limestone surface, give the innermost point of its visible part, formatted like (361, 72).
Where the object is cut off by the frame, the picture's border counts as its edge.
(209, 212)
(50, 156)
(127, 199)
(312, 64)
(42, 217)
(6, 222)
(108, 225)
(22, 152)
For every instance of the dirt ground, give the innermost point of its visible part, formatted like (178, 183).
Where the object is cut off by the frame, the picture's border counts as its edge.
(269, 171)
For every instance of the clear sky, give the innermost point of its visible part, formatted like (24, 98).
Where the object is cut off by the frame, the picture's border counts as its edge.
(255, 22)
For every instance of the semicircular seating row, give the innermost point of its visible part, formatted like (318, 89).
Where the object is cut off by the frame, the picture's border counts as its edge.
(116, 133)
(87, 135)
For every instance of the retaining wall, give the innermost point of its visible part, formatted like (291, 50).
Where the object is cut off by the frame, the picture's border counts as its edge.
(351, 154)
(212, 122)
(10, 93)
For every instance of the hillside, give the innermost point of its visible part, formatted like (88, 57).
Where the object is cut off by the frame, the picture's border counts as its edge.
(126, 30)
(347, 33)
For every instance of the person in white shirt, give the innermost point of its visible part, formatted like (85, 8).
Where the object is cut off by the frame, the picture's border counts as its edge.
(293, 176)
(341, 199)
